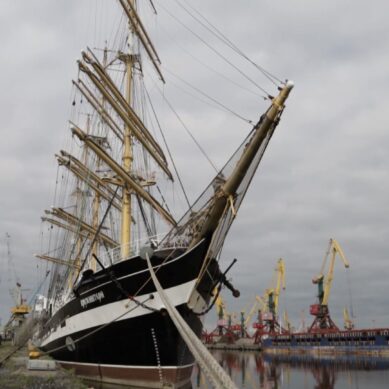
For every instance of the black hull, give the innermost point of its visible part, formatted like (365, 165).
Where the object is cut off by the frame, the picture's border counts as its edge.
(147, 340)
(106, 336)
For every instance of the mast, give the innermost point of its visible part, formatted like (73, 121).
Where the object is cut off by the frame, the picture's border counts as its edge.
(95, 225)
(74, 271)
(97, 197)
(127, 157)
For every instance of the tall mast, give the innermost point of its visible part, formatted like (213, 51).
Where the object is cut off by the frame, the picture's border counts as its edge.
(97, 197)
(127, 158)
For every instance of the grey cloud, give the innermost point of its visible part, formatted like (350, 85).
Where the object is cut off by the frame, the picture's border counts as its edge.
(324, 174)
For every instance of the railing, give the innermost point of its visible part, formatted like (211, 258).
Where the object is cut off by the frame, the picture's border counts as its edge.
(133, 249)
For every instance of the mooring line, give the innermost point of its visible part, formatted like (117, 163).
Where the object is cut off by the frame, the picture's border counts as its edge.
(215, 373)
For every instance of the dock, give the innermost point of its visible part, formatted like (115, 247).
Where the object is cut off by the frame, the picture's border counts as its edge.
(239, 345)
(14, 372)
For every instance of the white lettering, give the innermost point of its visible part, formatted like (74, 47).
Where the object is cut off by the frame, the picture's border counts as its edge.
(92, 298)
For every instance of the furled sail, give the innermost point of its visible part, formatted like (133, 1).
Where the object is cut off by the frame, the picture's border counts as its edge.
(141, 33)
(109, 91)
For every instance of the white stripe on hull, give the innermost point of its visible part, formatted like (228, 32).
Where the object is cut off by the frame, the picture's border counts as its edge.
(110, 312)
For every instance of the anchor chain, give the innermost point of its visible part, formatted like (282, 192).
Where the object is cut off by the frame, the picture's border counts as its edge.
(157, 356)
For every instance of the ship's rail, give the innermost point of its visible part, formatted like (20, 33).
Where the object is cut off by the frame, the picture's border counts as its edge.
(132, 249)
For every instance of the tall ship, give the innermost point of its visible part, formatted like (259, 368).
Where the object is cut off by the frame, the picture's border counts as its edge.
(324, 337)
(103, 317)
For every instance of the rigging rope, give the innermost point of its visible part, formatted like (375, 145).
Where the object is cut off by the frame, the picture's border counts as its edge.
(144, 216)
(167, 147)
(100, 327)
(216, 32)
(96, 233)
(225, 108)
(215, 51)
(186, 128)
(211, 68)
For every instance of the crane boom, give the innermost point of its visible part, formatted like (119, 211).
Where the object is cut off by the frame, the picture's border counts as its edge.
(262, 302)
(321, 312)
(258, 301)
(325, 283)
(220, 307)
(287, 323)
(268, 317)
(348, 323)
(273, 294)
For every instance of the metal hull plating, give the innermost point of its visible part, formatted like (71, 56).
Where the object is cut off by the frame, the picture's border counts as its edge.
(108, 337)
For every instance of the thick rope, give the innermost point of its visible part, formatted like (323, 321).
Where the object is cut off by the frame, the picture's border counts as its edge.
(215, 373)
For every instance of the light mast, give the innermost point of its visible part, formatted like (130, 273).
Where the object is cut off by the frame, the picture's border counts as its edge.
(127, 158)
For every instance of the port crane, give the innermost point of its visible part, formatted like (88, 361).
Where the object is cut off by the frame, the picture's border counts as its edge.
(268, 319)
(302, 327)
(348, 323)
(245, 320)
(287, 323)
(20, 309)
(259, 302)
(320, 310)
(225, 329)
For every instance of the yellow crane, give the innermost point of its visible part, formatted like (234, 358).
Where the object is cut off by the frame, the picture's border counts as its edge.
(222, 313)
(287, 323)
(268, 320)
(273, 293)
(20, 310)
(259, 304)
(220, 307)
(324, 283)
(348, 323)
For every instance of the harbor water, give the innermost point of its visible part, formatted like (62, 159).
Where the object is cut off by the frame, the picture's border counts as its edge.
(248, 369)
(255, 370)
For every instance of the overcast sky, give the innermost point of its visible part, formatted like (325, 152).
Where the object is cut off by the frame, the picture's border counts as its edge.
(325, 173)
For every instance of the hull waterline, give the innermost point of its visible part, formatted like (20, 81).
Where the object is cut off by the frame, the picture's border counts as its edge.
(106, 337)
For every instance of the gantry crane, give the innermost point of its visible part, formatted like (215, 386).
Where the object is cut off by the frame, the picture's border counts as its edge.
(320, 310)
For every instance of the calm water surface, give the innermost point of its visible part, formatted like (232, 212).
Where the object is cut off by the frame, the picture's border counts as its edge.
(255, 370)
